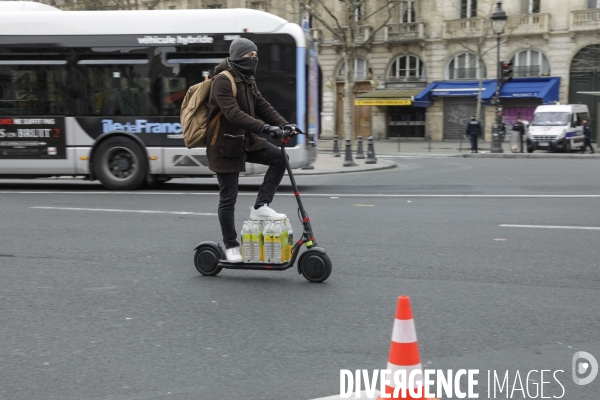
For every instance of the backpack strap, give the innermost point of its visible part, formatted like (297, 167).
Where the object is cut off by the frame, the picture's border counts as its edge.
(217, 117)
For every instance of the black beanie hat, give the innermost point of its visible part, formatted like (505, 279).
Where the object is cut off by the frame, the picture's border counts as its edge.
(241, 46)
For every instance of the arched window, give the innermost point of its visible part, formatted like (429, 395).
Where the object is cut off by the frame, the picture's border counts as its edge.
(360, 69)
(465, 66)
(406, 68)
(530, 63)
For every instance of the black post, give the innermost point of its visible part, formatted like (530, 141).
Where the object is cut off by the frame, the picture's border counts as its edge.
(359, 151)
(336, 148)
(349, 162)
(496, 128)
(371, 159)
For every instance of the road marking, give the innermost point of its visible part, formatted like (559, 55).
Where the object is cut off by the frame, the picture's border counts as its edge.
(474, 196)
(124, 211)
(589, 228)
(365, 205)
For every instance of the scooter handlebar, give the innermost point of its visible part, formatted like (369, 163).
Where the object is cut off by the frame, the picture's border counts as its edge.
(290, 130)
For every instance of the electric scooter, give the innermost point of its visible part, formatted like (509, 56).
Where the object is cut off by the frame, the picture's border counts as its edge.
(314, 263)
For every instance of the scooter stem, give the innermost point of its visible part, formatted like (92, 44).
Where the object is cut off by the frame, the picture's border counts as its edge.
(308, 238)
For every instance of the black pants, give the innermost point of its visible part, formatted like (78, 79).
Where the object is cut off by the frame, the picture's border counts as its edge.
(587, 142)
(474, 142)
(228, 185)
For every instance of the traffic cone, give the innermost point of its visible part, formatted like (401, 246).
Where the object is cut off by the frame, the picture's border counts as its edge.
(404, 351)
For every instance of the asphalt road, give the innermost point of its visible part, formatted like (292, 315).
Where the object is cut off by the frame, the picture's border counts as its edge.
(107, 305)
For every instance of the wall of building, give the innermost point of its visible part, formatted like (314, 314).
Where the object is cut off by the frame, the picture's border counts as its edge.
(558, 39)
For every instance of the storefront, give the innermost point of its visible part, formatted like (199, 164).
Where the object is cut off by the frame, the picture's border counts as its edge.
(519, 97)
(459, 103)
(403, 119)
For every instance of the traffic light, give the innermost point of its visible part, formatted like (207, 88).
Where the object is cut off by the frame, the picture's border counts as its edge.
(506, 72)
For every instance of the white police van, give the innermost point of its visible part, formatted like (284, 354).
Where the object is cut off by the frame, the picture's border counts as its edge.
(557, 127)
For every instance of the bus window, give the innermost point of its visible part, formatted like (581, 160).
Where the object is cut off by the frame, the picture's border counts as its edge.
(115, 84)
(184, 69)
(33, 84)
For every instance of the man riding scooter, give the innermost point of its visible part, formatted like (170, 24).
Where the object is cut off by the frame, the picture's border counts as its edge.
(233, 140)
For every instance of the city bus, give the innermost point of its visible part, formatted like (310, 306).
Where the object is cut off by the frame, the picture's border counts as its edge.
(97, 94)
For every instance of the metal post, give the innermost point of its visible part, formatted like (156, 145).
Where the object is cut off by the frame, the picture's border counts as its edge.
(349, 162)
(359, 151)
(371, 159)
(496, 128)
(336, 148)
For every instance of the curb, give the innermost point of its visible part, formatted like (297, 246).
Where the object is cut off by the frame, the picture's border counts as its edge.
(528, 155)
(381, 165)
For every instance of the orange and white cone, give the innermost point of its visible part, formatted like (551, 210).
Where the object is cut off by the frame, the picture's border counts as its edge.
(404, 351)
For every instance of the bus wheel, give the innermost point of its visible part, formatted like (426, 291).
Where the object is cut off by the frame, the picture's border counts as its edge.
(119, 163)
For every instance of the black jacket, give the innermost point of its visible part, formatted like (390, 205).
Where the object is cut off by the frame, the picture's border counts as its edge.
(243, 117)
(519, 127)
(473, 128)
(587, 130)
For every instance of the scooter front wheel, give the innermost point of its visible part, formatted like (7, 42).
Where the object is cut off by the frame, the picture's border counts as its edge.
(315, 265)
(206, 260)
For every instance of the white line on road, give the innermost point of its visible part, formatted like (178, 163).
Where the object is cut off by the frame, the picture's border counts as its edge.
(474, 196)
(589, 228)
(126, 211)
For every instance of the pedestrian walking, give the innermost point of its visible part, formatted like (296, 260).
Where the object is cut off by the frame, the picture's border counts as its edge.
(519, 126)
(587, 132)
(474, 131)
(233, 140)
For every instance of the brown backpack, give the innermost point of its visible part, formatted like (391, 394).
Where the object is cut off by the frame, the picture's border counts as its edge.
(194, 112)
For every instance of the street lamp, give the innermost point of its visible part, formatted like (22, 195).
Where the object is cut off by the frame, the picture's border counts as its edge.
(499, 20)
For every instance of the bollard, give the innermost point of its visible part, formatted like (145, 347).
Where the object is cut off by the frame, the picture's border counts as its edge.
(371, 159)
(349, 162)
(359, 152)
(336, 149)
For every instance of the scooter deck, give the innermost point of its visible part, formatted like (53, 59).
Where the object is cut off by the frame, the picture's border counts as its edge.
(256, 266)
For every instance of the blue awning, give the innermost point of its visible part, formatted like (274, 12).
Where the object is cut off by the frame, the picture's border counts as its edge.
(453, 89)
(545, 88)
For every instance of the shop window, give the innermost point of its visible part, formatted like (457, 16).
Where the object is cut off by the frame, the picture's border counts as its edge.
(406, 68)
(530, 6)
(465, 66)
(360, 70)
(468, 8)
(528, 63)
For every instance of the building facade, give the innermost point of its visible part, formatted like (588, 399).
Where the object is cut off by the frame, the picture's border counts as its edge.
(426, 61)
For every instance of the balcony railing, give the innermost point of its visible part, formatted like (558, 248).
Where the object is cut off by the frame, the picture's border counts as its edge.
(317, 34)
(464, 73)
(466, 27)
(584, 20)
(526, 71)
(361, 34)
(404, 32)
(405, 78)
(528, 24)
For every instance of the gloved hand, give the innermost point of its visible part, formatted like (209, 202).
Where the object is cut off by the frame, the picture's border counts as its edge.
(274, 131)
(292, 127)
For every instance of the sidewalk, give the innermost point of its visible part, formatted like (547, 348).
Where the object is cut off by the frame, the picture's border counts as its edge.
(421, 147)
(327, 164)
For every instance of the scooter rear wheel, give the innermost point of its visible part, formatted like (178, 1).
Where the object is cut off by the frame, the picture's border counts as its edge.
(315, 266)
(206, 260)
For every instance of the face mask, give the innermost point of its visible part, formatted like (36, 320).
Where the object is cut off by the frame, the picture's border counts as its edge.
(248, 65)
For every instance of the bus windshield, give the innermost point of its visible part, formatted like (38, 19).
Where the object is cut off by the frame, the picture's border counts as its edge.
(551, 119)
